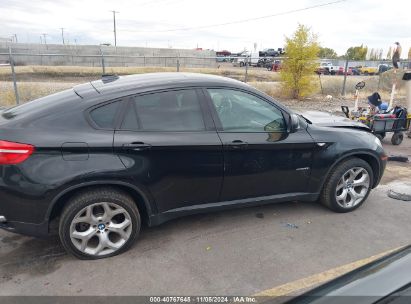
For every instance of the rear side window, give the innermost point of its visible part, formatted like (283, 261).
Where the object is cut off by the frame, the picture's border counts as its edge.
(105, 116)
(165, 111)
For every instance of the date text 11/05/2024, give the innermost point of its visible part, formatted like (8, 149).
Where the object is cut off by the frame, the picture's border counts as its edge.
(203, 299)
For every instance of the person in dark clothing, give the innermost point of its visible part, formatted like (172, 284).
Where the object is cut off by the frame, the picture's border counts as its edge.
(396, 56)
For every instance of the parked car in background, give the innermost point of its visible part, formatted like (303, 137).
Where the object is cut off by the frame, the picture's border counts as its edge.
(355, 71)
(251, 59)
(274, 65)
(269, 52)
(223, 56)
(341, 71)
(366, 70)
(384, 67)
(98, 160)
(281, 51)
(327, 68)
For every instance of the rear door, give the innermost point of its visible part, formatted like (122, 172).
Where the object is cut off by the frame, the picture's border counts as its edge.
(260, 157)
(170, 146)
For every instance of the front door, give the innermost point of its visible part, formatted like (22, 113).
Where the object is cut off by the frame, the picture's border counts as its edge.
(166, 144)
(260, 157)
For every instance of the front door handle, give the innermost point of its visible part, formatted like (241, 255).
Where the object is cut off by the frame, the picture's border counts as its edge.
(237, 144)
(137, 146)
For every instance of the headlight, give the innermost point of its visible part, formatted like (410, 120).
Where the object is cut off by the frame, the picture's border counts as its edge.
(378, 141)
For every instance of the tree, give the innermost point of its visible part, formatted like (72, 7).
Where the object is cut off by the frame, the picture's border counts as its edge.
(298, 68)
(371, 54)
(389, 53)
(357, 52)
(380, 54)
(327, 53)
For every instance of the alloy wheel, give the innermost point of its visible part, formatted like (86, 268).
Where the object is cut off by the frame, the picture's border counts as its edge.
(352, 187)
(100, 228)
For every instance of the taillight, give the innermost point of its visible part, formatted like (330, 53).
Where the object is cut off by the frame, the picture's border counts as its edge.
(12, 153)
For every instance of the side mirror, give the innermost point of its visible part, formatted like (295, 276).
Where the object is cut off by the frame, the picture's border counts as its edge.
(294, 123)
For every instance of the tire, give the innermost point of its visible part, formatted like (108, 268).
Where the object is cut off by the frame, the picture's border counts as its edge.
(241, 64)
(397, 138)
(110, 217)
(381, 136)
(338, 177)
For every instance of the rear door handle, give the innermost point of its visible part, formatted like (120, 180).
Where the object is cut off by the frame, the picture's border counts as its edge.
(237, 145)
(137, 146)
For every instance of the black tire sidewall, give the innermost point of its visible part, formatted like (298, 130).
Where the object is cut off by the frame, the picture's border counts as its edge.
(397, 139)
(81, 201)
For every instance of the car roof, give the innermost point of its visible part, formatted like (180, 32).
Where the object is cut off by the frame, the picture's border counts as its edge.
(113, 84)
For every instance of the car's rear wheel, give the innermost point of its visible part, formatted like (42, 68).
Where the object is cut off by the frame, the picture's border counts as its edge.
(99, 223)
(348, 185)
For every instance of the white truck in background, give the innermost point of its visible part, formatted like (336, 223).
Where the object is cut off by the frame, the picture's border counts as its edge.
(327, 68)
(251, 59)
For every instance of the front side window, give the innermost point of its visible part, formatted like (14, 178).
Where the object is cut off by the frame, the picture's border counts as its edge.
(165, 111)
(243, 112)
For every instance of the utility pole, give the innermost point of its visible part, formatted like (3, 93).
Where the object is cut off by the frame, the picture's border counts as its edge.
(115, 29)
(62, 34)
(15, 38)
(44, 39)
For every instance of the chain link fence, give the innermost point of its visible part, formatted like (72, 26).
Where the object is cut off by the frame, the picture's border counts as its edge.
(26, 76)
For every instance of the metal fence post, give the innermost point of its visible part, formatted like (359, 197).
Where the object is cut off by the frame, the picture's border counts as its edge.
(321, 84)
(246, 69)
(345, 78)
(103, 65)
(178, 65)
(16, 92)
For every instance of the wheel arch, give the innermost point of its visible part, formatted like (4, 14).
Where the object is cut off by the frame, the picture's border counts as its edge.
(141, 200)
(368, 157)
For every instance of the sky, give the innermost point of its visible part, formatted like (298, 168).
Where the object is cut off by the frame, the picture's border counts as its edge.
(185, 23)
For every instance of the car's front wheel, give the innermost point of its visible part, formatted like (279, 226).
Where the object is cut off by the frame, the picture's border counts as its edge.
(348, 185)
(99, 223)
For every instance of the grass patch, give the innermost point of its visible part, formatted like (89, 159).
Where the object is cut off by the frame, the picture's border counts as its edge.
(61, 72)
(27, 92)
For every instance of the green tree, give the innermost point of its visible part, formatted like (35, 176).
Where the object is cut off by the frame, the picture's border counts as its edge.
(327, 53)
(357, 52)
(297, 73)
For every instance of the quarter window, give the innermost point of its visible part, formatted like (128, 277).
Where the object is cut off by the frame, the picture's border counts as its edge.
(243, 112)
(165, 111)
(104, 116)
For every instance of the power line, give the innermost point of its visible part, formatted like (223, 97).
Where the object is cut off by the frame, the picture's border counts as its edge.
(152, 2)
(239, 21)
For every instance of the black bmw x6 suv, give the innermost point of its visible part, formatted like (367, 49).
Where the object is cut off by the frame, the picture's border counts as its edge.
(99, 159)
